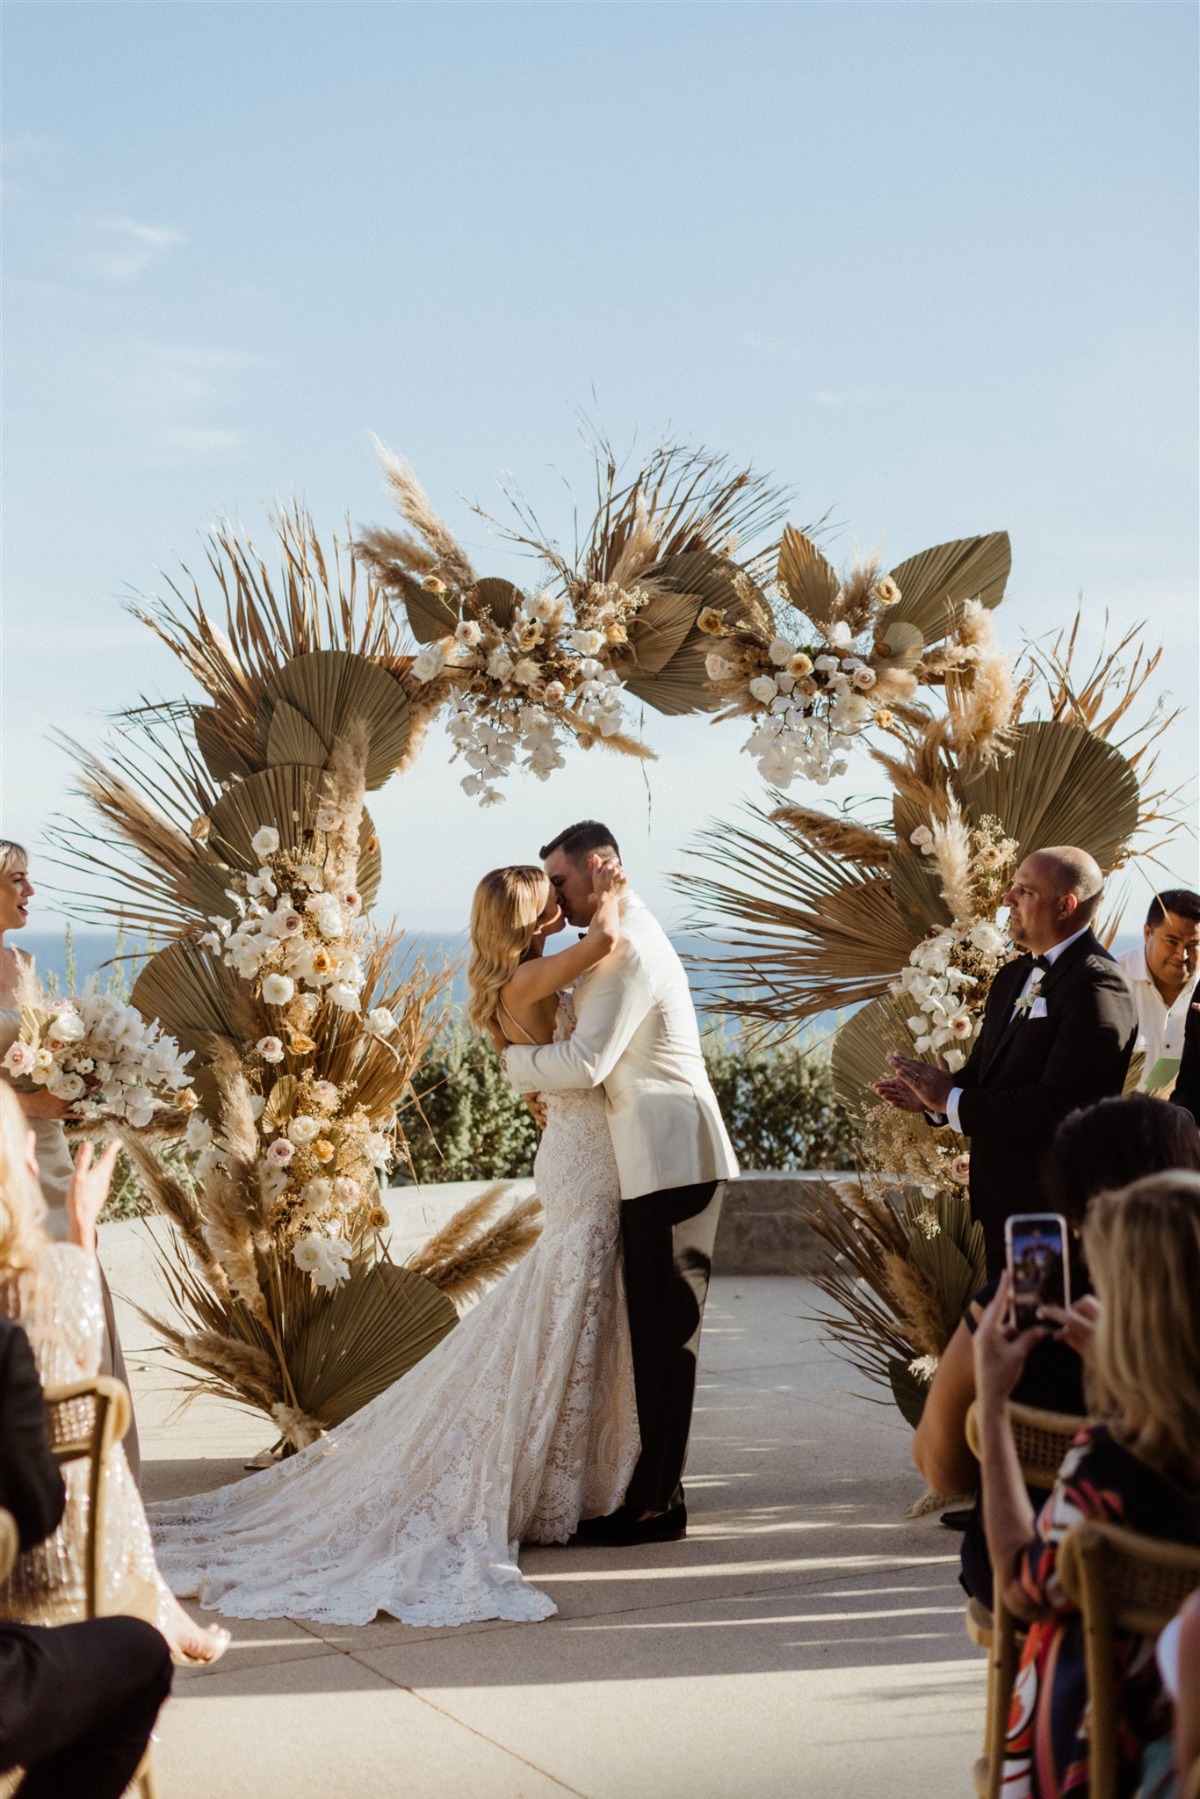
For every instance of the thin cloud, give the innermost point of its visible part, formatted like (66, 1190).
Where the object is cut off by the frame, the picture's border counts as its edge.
(127, 248)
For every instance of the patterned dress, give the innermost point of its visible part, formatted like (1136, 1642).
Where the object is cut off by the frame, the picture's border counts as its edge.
(519, 1423)
(1047, 1752)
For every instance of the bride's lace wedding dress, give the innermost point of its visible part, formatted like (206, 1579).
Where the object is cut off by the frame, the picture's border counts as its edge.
(519, 1423)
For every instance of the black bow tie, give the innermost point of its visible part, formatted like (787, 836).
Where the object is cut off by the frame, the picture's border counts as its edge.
(1042, 962)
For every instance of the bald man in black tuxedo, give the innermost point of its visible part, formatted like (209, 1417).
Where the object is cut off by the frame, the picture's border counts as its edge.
(1058, 1033)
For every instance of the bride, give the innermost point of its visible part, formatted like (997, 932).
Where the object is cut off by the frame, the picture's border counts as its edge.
(521, 1422)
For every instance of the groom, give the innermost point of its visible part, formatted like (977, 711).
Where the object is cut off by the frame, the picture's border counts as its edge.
(636, 1036)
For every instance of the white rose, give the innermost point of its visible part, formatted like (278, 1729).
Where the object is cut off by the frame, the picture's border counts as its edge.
(468, 632)
(986, 938)
(886, 591)
(863, 677)
(588, 643)
(500, 665)
(543, 606)
(270, 1049)
(277, 989)
(428, 663)
(346, 1191)
(717, 668)
(344, 995)
(265, 841)
(280, 1152)
(380, 1022)
(328, 818)
(20, 1059)
(780, 651)
(326, 1259)
(763, 689)
(303, 1129)
(555, 693)
(960, 1169)
(378, 1149)
(317, 1193)
(68, 1026)
(66, 1086)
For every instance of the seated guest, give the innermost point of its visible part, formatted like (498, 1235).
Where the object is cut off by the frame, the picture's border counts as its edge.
(1162, 975)
(1168, 1762)
(1098, 1147)
(1139, 1468)
(78, 1703)
(53, 1291)
(1058, 1033)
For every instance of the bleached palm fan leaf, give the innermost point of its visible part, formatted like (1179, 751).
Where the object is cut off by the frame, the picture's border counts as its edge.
(286, 797)
(196, 998)
(345, 1347)
(811, 582)
(917, 892)
(861, 1047)
(329, 688)
(1060, 785)
(935, 584)
(811, 934)
(679, 683)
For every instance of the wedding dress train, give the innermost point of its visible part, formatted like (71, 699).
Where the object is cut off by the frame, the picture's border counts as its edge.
(519, 1423)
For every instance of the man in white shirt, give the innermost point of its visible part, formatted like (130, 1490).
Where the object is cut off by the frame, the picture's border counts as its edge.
(1058, 1033)
(1162, 975)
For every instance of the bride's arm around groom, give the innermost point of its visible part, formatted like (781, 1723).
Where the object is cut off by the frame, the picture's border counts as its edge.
(636, 1037)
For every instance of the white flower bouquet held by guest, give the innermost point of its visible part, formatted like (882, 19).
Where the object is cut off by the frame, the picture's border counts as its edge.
(97, 1054)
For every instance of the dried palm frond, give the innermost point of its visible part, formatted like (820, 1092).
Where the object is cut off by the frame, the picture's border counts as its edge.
(472, 1251)
(1110, 696)
(936, 584)
(1059, 784)
(839, 836)
(811, 936)
(311, 604)
(171, 1197)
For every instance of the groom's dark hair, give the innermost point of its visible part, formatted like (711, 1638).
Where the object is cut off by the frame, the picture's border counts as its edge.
(583, 839)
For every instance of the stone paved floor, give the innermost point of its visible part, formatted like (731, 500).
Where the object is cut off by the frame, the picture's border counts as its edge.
(806, 1638)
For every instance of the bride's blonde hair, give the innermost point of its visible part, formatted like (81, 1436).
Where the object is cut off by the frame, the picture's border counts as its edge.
(504, 916)
(22, 1211)
(12, 855)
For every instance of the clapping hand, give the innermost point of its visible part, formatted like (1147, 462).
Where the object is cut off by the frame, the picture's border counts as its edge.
(87, 1193)
(899, 1094)
(929, 1086)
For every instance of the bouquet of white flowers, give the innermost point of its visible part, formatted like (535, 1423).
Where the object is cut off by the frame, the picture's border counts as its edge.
(99, 1055)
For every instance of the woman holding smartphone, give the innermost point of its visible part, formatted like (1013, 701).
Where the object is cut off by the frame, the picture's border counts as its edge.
(1139, 1466)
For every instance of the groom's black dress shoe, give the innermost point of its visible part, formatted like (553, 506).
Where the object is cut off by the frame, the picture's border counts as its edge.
(623, 1528)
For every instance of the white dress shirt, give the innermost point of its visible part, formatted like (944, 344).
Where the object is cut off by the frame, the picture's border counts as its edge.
(1035, 978)
(1160, 1027)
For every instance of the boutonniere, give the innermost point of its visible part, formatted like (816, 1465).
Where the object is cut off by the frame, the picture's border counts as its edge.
(1030, 998)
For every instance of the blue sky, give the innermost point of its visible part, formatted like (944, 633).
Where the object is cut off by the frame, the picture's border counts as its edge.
(934, 266)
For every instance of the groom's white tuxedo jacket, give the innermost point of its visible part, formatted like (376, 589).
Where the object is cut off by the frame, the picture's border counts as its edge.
(636, 1036)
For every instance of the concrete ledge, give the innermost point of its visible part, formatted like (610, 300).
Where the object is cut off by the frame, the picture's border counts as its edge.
(761, 1229)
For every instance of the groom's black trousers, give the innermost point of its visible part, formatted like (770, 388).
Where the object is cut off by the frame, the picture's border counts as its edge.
(667, 1241)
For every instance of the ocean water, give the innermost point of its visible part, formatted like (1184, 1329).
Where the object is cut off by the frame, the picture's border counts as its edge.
(94, 952)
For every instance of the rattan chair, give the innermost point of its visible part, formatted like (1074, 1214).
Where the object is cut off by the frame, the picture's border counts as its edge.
(86, 1419)
(1042, 1440)
(10, 1543)
(1119, 1581)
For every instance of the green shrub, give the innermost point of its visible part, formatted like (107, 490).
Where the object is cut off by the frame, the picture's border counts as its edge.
(779, 1105)
(468, 1124)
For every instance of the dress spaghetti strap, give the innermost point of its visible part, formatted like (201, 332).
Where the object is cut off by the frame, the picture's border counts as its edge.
(520, 1027)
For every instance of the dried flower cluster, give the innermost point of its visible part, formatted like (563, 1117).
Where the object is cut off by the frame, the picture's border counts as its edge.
(100, 1056)
(517, 689)
(950, 971)
(812, 689)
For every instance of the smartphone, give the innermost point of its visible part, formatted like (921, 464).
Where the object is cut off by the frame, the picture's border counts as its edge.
(1039, 1269)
